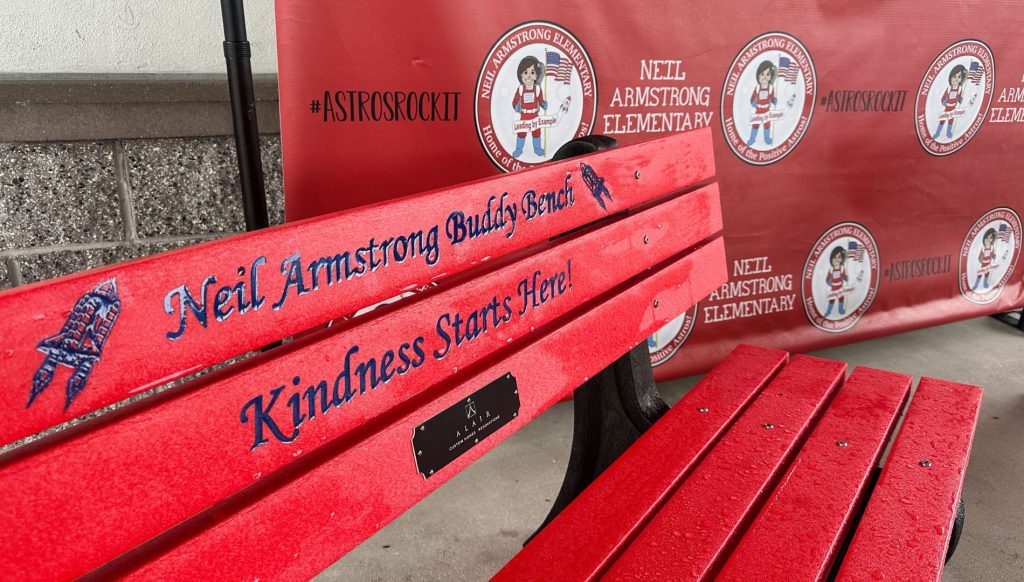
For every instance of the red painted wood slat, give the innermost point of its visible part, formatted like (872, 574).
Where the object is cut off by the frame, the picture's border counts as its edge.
(697, 526)
(589, 533)
(905, 530)
(129, 490)
(302, 526)
(138, 352)
(806, 519)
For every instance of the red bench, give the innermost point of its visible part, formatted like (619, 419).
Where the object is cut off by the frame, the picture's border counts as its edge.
(760, 473)
(280, 463)
(524, 288)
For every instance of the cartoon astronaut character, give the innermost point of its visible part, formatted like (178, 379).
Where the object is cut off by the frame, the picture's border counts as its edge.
(528, 101)
(986, 259)
(762, 100)
(951, 98)
(836, 278)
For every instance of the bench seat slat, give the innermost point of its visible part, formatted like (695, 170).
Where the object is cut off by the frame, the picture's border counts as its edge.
(305, 524)
(691, 533)
(138, 352)
(806, 519)
(131, 489)
(906, 527)
(587, 535)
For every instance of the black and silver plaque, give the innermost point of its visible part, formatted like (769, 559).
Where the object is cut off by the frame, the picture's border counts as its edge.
(461, 426)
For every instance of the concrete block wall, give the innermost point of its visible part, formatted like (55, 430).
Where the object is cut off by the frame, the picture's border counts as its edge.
(71, 206)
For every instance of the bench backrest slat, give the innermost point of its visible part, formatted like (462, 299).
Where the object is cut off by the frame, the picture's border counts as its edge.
(125, 328)
(243, 421)
(300, 526)
(821, 492)
(725, 490)
(906, 527)
(591, 531)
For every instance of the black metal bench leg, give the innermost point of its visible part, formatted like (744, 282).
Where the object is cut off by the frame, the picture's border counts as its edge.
(958, 528)
(1014, 318)
(611, 410)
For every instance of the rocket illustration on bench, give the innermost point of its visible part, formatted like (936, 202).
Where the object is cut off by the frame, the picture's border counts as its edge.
(596, 184)
(79, 344)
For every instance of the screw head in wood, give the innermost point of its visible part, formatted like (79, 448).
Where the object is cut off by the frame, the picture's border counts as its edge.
(703, 410)
(636, 174)
(925, 463)
(768, 425)
(842, 444)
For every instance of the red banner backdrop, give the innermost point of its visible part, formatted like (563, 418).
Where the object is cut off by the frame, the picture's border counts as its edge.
(867, 153)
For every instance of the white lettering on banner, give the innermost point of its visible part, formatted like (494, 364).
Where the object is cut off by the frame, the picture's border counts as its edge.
(619, 123)
(1007, 115)
(667, 108)
(1013, 96)
(753, 290)
(662, 70)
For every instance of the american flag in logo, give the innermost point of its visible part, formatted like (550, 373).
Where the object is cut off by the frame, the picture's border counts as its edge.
(974, 75)
(1004, 233)
(786, 70)
(552, 62)
(856, 252)
(559, 68)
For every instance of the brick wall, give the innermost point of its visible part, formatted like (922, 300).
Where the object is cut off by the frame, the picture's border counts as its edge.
(71, 206)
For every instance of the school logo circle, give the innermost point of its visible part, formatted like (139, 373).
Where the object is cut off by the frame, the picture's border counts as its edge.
(989, 255)
(768, 98)
(954, 96)
(537, 90)
(666, 341)
(840, 277)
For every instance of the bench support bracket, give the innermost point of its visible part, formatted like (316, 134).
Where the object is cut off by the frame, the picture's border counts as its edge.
(612, 409)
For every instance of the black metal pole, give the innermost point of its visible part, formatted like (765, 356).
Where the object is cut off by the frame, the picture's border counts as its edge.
(243, 114)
